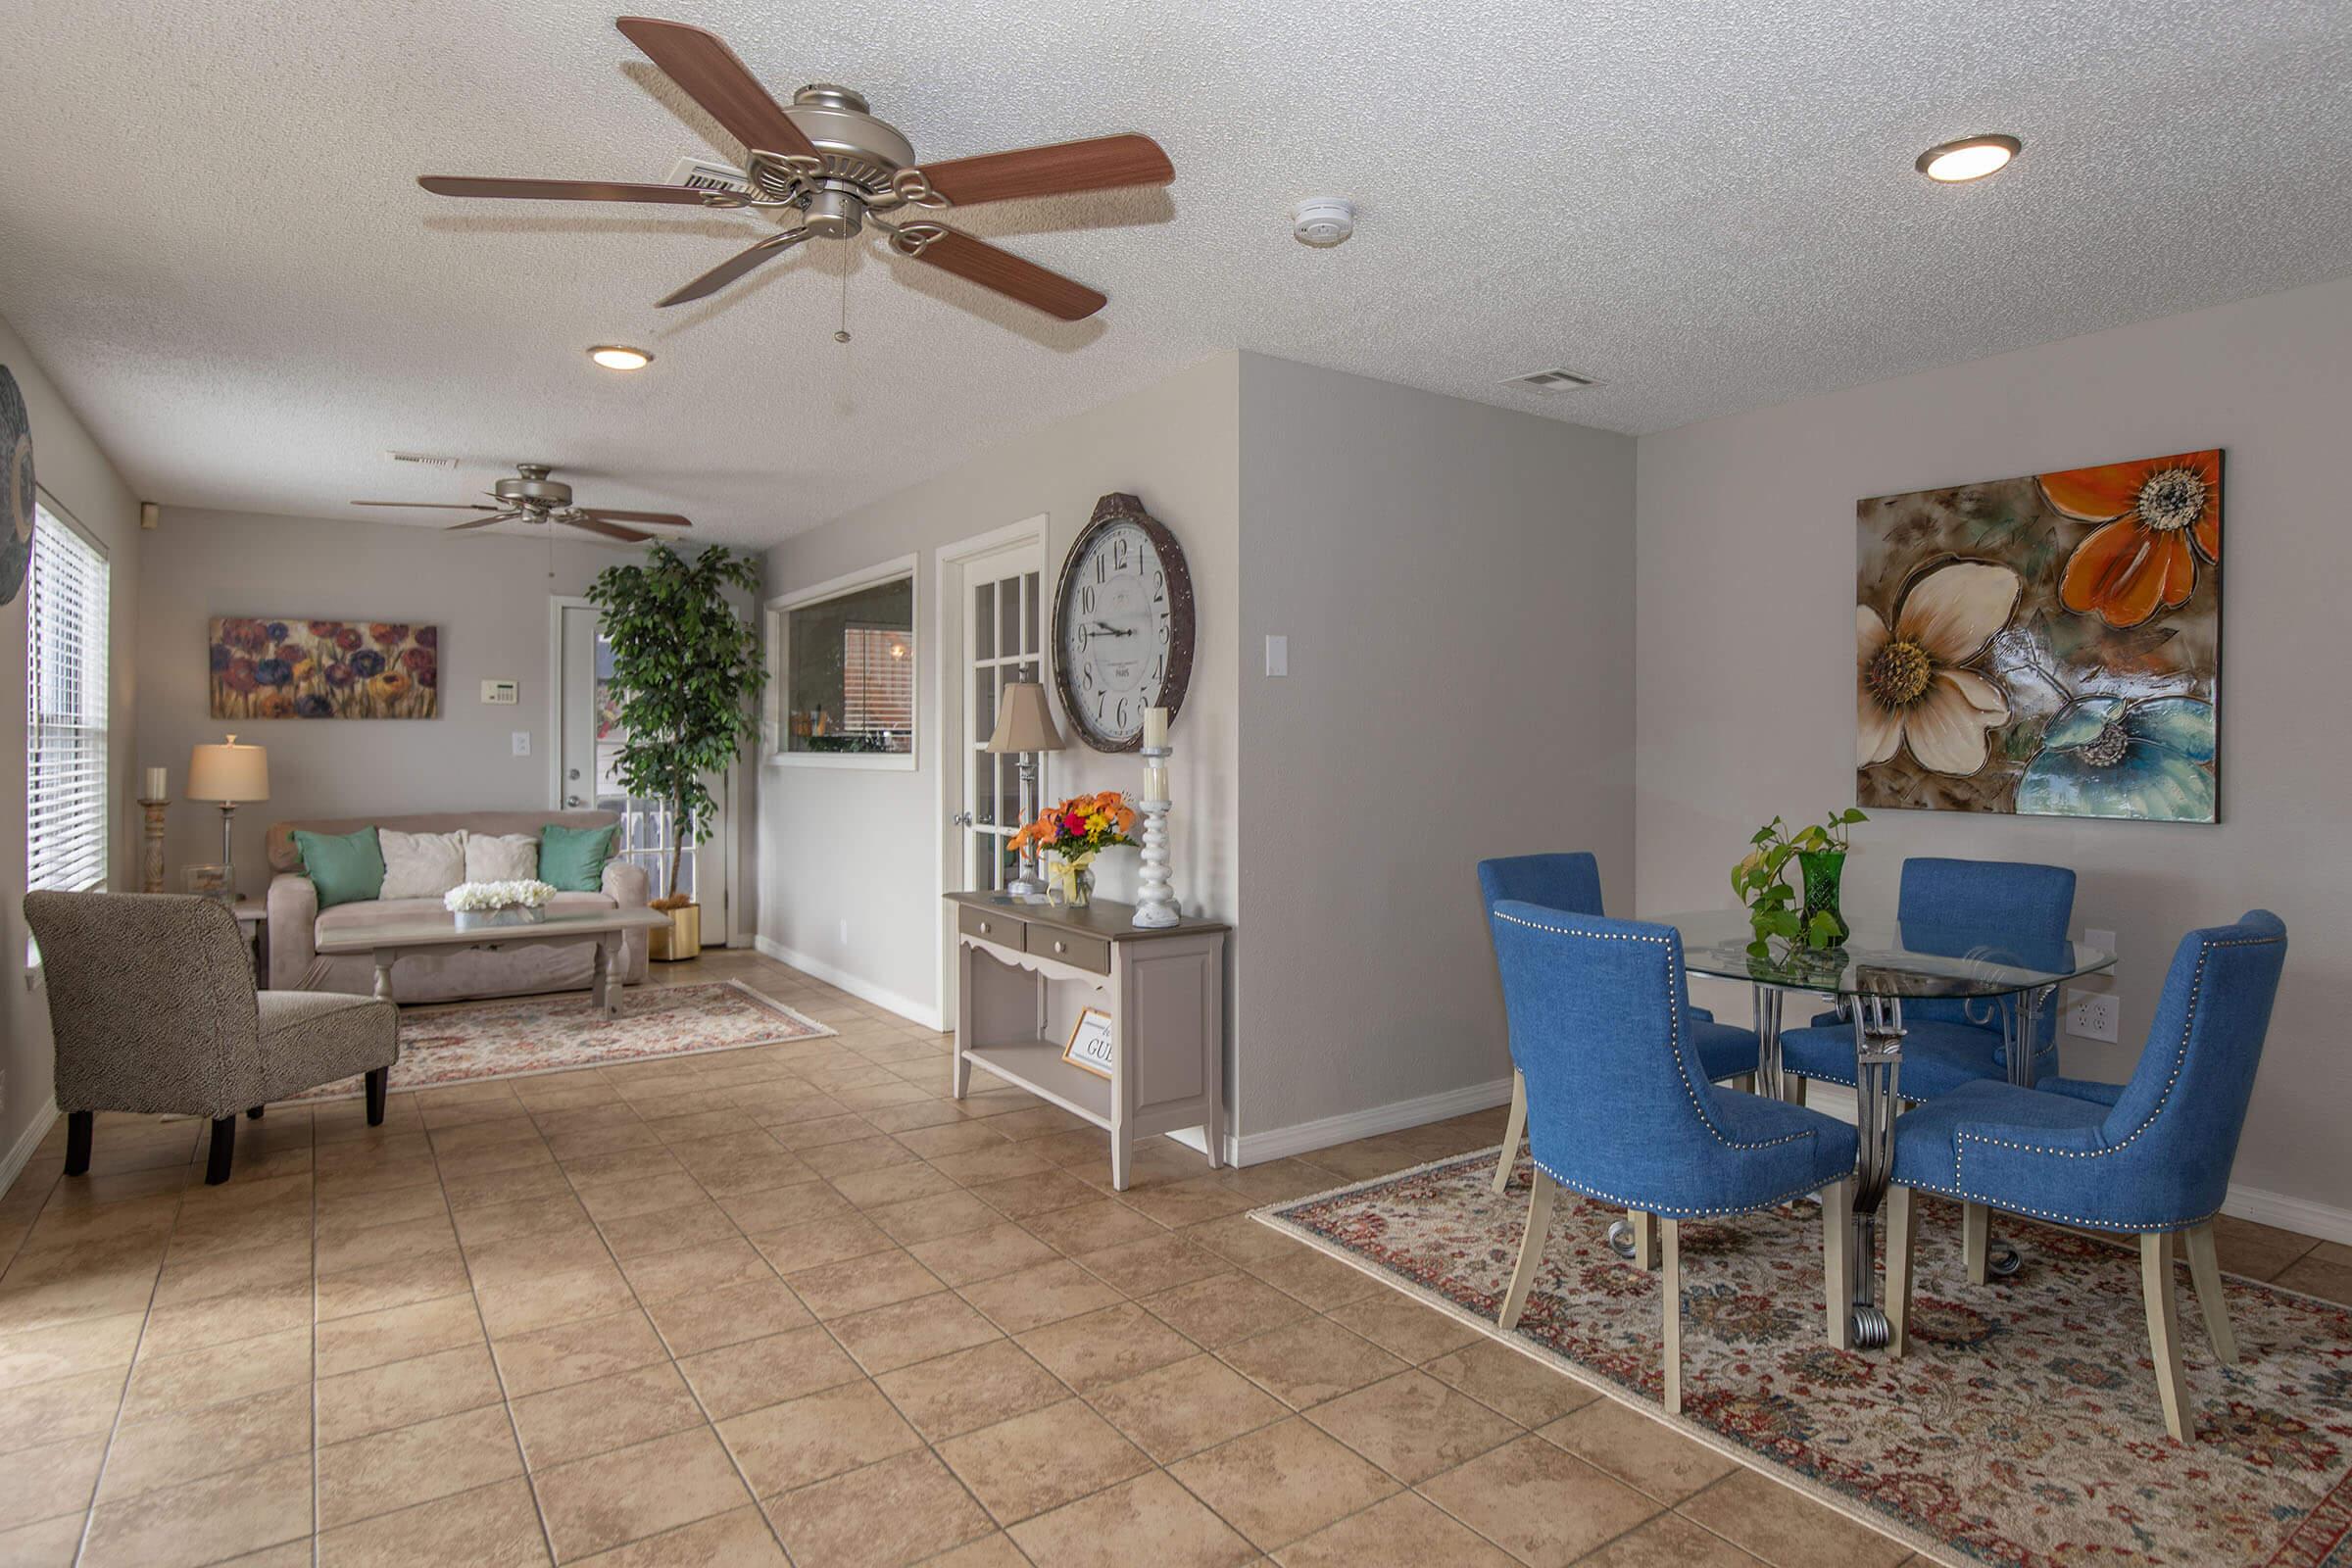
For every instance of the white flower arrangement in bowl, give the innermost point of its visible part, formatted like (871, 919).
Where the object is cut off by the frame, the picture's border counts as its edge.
(491, 903)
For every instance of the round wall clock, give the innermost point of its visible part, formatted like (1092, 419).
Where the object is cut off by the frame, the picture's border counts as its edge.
(1122, 624)
(16, 472)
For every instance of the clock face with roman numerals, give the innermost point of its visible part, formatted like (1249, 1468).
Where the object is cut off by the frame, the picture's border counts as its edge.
(1122, 624)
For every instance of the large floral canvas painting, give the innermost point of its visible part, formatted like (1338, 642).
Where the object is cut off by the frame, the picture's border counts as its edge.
(264, 667)
(2048, 645)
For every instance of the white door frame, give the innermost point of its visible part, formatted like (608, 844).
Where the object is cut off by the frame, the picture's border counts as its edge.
(722, 848)
(947, 641)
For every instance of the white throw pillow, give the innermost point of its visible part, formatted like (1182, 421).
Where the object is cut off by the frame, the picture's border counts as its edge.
(420, 865)
(502, 858)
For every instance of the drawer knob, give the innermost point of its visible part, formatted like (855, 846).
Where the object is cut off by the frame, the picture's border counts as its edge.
(1061, 946)
(985, 928)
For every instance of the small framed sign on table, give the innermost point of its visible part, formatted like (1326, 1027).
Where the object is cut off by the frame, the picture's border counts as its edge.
(1090, 1044)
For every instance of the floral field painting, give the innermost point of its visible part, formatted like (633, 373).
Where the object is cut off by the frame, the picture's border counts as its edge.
(264, 667)
(2048, 646)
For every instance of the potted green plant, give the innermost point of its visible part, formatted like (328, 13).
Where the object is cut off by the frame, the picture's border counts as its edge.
(686, 670)
(1760, 880)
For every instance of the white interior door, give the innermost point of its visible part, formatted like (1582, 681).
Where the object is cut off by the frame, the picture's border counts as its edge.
(588, 738)
(1001, 644)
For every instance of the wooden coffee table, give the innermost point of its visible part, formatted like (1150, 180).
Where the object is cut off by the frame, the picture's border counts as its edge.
(439, 934)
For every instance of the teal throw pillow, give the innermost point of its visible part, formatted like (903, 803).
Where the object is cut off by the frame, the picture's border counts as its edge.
(345, 867)
(571, 859)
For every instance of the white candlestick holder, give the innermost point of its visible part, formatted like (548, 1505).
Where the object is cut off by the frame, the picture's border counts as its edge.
(1156, 902)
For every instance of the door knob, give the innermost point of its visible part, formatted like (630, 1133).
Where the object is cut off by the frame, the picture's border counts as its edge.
(961, 820)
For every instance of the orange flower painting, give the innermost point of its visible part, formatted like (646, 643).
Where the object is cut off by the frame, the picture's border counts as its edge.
(2158, 516)
(2048, 645)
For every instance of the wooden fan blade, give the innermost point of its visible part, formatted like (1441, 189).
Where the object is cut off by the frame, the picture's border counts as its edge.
(978, 262)
(481, 522)
(432, 506)
(611, 530)
(560, 190)
(668, 520)
(1104, 164)
(700, 62)
(734, 266)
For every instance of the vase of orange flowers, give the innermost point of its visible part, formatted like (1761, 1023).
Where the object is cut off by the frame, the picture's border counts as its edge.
(1072, 833)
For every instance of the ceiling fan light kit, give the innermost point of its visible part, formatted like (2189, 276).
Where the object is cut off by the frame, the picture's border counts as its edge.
(833, 167)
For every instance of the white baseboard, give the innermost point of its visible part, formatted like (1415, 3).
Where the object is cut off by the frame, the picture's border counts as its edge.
(2298, 1215)
(1280, 1143)
(857, 986)
(21, 1154)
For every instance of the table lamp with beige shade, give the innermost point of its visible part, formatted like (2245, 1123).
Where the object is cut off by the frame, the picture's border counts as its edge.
(1025, 727)
(230, 775)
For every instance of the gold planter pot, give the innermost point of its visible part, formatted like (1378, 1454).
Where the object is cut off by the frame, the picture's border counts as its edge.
(681, 939)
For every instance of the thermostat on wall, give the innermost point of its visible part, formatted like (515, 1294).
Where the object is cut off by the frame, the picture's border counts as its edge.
(503, 692)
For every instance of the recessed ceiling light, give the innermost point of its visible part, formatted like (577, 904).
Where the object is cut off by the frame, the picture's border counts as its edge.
(1970, 158)
(620, 357)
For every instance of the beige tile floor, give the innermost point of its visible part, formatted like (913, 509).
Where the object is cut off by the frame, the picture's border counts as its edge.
(792, 1303)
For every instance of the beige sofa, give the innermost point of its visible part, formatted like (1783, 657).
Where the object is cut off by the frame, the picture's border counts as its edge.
(296, 920)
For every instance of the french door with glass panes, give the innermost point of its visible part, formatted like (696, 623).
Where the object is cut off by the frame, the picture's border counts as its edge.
(1001, 616)
(588, 740)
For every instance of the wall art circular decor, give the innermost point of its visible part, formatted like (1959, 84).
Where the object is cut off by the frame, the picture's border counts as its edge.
(15, 468)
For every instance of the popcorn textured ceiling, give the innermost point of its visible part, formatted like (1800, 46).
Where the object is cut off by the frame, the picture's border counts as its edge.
(211, 235)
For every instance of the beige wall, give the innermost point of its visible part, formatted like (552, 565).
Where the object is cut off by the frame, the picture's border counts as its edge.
(861, 848)
(1457, 584)
(1745, 661)
(79, 476)
(489, 595)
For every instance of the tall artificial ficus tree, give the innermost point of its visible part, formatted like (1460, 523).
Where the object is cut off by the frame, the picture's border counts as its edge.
(686, 670)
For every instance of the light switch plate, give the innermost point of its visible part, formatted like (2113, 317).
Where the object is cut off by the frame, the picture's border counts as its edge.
(1278, 653)
(2104, 941)
(523, 743)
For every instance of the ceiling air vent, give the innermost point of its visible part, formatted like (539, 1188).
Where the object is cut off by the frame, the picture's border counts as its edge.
(1553, 381)
(703, 174)
(422, 460)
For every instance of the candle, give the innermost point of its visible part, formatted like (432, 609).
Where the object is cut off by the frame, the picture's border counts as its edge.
(1156, 727)
(156, 783)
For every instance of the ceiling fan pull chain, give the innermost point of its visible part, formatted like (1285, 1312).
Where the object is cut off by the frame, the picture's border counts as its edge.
(843, 335)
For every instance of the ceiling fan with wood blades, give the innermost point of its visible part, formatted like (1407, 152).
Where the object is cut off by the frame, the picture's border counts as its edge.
(833, 167)
(533, 497)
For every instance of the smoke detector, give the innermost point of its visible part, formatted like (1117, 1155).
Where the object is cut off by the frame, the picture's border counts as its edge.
(1322, 221)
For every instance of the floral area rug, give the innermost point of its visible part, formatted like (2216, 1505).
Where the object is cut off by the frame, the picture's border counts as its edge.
(469, 1041)
(2021, 1428)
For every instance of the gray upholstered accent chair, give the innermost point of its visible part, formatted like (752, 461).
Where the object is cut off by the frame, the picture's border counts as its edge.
(154, 1011)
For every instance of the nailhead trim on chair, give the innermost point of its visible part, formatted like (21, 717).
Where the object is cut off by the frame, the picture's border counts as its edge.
(1675, 1036)
(1962, 1138)
(1678, 1212)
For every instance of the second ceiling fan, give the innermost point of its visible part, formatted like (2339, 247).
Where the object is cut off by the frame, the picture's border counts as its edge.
(829, 160)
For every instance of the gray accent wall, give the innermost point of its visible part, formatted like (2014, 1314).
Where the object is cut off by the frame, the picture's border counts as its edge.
(72, 468)
(1745, 661)
(1457, 584)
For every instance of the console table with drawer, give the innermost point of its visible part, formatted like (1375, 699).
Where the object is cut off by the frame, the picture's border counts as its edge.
(1164, 988)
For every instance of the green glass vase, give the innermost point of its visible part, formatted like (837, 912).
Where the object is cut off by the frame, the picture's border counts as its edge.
(1823, 871)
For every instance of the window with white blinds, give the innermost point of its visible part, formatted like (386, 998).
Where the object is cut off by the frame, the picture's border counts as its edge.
(65, 731)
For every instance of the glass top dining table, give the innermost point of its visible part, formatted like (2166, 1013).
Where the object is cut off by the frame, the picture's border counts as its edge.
(1884, 962)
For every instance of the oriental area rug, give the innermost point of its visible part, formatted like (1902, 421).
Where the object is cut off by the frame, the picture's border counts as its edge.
(2021, 1428)
(472, 1041)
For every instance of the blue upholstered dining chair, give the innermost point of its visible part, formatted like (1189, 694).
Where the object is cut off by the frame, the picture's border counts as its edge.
(2148, 1157)
(1570, 882)
(1619, 1107)
(1948, 1042)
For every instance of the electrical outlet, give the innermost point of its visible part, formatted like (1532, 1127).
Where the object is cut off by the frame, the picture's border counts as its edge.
(523, 743)
(2092, 1014)
(844, 933)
